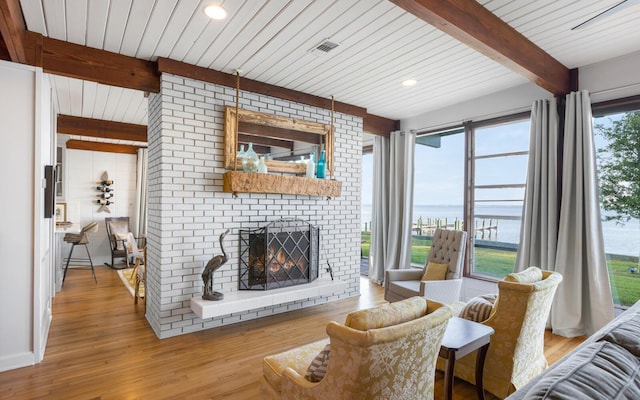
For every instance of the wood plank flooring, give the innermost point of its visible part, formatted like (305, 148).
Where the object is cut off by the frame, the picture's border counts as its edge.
(101, 347)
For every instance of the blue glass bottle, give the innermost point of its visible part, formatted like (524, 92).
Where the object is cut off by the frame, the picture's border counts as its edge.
(321, 169)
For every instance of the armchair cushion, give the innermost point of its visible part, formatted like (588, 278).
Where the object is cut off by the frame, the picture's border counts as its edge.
(119, 228)
(318, 367)
(387, 314)
(297, 359)
(479, 308)
(529, 275)
(435, 272)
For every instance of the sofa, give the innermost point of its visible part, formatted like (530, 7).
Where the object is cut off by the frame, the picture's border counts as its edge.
(605, 366)
(386, 352)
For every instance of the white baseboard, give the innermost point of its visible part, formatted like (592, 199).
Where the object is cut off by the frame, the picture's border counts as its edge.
(15, 361)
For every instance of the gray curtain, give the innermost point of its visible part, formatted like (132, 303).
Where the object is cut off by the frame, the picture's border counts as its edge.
(379, 208)
(140, 210)
(569, 239)
(392, 206)
(539, 229)
(583, 302)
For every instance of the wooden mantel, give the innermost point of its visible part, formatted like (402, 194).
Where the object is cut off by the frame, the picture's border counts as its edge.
(252, 182)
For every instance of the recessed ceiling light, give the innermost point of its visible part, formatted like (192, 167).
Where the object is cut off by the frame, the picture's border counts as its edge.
(215, 12)
(409, 82)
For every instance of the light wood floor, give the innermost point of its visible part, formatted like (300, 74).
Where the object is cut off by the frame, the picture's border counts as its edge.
(101, 347)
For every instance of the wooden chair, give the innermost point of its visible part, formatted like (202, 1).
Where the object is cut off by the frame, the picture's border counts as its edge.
(140, 272)
(119, 235)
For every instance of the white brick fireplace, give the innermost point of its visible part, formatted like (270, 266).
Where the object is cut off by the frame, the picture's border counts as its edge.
(188, 210)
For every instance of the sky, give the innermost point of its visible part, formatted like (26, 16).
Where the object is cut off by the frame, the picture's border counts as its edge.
(439, 172)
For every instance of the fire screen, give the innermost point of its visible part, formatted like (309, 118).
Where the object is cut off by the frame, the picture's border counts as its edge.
(282, 253)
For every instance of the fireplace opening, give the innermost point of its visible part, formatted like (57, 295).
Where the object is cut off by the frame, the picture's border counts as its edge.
(282, 253)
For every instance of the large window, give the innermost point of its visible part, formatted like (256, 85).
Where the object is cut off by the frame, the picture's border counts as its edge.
(617, 139)
(474, 179)
(438, 196)
(497, 174)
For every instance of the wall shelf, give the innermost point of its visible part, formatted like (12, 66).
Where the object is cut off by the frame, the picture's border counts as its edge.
(251, 182)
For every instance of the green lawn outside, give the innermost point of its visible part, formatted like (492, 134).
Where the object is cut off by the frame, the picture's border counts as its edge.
(625, 285)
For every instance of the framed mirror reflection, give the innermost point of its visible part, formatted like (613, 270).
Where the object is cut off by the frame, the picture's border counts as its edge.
(283, 141)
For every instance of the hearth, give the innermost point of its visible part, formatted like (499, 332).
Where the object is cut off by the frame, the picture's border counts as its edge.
(282, 253)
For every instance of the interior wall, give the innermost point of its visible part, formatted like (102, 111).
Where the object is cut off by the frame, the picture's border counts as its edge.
(83, 169)
(506, 102)
(188, 210)
(23, 301)
(612, 79)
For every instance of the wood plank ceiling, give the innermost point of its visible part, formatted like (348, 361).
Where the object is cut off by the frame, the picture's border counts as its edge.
(380, 45)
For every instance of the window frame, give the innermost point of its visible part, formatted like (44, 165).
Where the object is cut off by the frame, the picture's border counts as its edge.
(470, 128)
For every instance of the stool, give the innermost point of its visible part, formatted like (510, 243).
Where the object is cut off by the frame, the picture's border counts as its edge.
(76, 239)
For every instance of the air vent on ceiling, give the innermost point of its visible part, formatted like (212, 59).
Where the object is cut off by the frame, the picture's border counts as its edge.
(324, 47)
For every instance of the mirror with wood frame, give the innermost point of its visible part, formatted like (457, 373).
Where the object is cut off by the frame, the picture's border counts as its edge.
(282, 140)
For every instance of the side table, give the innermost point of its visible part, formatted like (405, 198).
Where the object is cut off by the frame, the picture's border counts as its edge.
(461, 338)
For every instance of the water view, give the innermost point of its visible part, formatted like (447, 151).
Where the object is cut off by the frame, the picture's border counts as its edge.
(618, 239)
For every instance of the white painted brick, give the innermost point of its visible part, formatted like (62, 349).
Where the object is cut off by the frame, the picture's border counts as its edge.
(187, 210)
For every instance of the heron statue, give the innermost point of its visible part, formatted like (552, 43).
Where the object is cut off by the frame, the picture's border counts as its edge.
(212, 266)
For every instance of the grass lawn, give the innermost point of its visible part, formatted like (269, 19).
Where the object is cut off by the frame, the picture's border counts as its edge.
(625, 285)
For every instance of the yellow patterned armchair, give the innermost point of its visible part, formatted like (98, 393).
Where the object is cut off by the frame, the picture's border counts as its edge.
(519, 316)
(386, 352)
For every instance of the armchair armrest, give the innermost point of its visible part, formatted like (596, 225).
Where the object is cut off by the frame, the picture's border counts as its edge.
(411, 274)
(293, 385)
(445, 291)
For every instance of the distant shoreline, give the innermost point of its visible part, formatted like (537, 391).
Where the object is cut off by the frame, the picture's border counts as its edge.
(619, 239)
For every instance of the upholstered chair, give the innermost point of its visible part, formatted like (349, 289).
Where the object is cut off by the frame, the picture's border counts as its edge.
(447, 247)
(519, 316)
(386, 352)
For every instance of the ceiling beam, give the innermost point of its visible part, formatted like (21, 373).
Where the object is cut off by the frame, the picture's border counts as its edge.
(4, 52)
(100, 128)
(224, 79)
(104, 147)
(82, 62)
(378, 125)
(95, 65)
(475, 26)
(13, 30)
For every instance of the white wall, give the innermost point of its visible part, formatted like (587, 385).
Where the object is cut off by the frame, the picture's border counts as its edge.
(83, 169)
(612, 79)
(25, 254)
(510, 101)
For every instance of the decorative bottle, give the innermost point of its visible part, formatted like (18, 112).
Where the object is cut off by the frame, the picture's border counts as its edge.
(241, 154)
(250, 160)
(262, 165)
(321, 169)
(311, 166)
